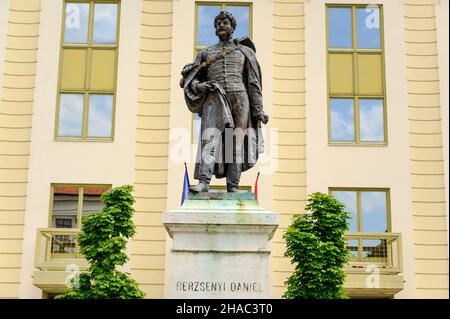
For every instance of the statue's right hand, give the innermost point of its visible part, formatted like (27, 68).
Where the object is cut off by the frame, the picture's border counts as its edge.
(202, 87)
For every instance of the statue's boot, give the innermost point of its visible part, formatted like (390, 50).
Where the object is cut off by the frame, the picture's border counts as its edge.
(233, 177)
(200, 188)
(232, 189)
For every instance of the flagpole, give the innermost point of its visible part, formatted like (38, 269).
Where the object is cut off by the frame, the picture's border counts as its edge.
(186, 170)
(256, 187)
(186, 184)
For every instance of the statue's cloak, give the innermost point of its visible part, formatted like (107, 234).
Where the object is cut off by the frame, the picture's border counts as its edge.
(214, 108)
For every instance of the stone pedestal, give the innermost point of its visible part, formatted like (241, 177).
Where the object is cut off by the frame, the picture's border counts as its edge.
(220, 247)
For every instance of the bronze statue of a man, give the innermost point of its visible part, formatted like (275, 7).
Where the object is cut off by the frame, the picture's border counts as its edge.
(223, 85)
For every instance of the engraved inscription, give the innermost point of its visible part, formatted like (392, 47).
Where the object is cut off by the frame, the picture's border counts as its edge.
(218, 286)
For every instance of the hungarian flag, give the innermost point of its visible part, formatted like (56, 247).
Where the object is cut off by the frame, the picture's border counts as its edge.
(256, 186)
(186, 185)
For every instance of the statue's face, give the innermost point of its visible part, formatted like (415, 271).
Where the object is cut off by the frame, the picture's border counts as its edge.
(223, 28)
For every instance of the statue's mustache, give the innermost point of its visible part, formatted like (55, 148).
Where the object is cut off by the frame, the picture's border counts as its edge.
(224, 29)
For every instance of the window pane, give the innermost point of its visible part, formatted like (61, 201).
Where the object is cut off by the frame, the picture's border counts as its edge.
(368, 24)
(373, 212)
(77, 21)
(342, 120)
(370, 74)
(65, 206)
(70, 114)
(340, 27)
(341, 73)
(242, 15)
(63, 223)
(92, 199)
(103, 69)
(348, 198)
(100, 115)
(73, 69)
(64, 215)
(206, 34)
(105, 23)
(371, 120)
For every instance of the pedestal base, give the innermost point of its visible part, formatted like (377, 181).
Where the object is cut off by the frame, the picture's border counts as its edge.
(220, 247)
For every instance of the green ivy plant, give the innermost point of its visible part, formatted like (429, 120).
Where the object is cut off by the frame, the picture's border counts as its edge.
(317, 246)
(102, 241)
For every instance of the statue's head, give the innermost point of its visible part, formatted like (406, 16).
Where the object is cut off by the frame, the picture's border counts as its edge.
(225, 24)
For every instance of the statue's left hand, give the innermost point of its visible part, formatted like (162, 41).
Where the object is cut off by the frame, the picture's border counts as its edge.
(202, 87)
(263, 118)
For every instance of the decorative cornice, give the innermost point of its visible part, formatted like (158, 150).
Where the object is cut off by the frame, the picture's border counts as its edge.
(420, 2)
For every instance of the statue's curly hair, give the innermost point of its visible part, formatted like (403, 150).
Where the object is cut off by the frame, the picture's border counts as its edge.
(226, 15)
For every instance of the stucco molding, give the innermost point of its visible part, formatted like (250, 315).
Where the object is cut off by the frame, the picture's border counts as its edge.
(420, 2)
(290, 1)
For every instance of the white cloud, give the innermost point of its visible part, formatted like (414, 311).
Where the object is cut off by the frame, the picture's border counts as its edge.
(100, 115)
(373, 202)
(342, 120)
(371, 120)
(70, 114)
(105, 23)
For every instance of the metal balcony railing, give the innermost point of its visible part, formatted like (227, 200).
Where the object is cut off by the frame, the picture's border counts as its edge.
(56, 248)
(377, 250)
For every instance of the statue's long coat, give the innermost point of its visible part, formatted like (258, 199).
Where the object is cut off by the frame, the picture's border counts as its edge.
(214, 108)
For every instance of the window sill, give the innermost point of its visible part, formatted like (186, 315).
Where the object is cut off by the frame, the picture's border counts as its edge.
(351, 144)
(77, 139)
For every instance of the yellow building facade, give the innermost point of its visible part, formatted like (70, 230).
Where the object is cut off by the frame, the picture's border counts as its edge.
(358, 113)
